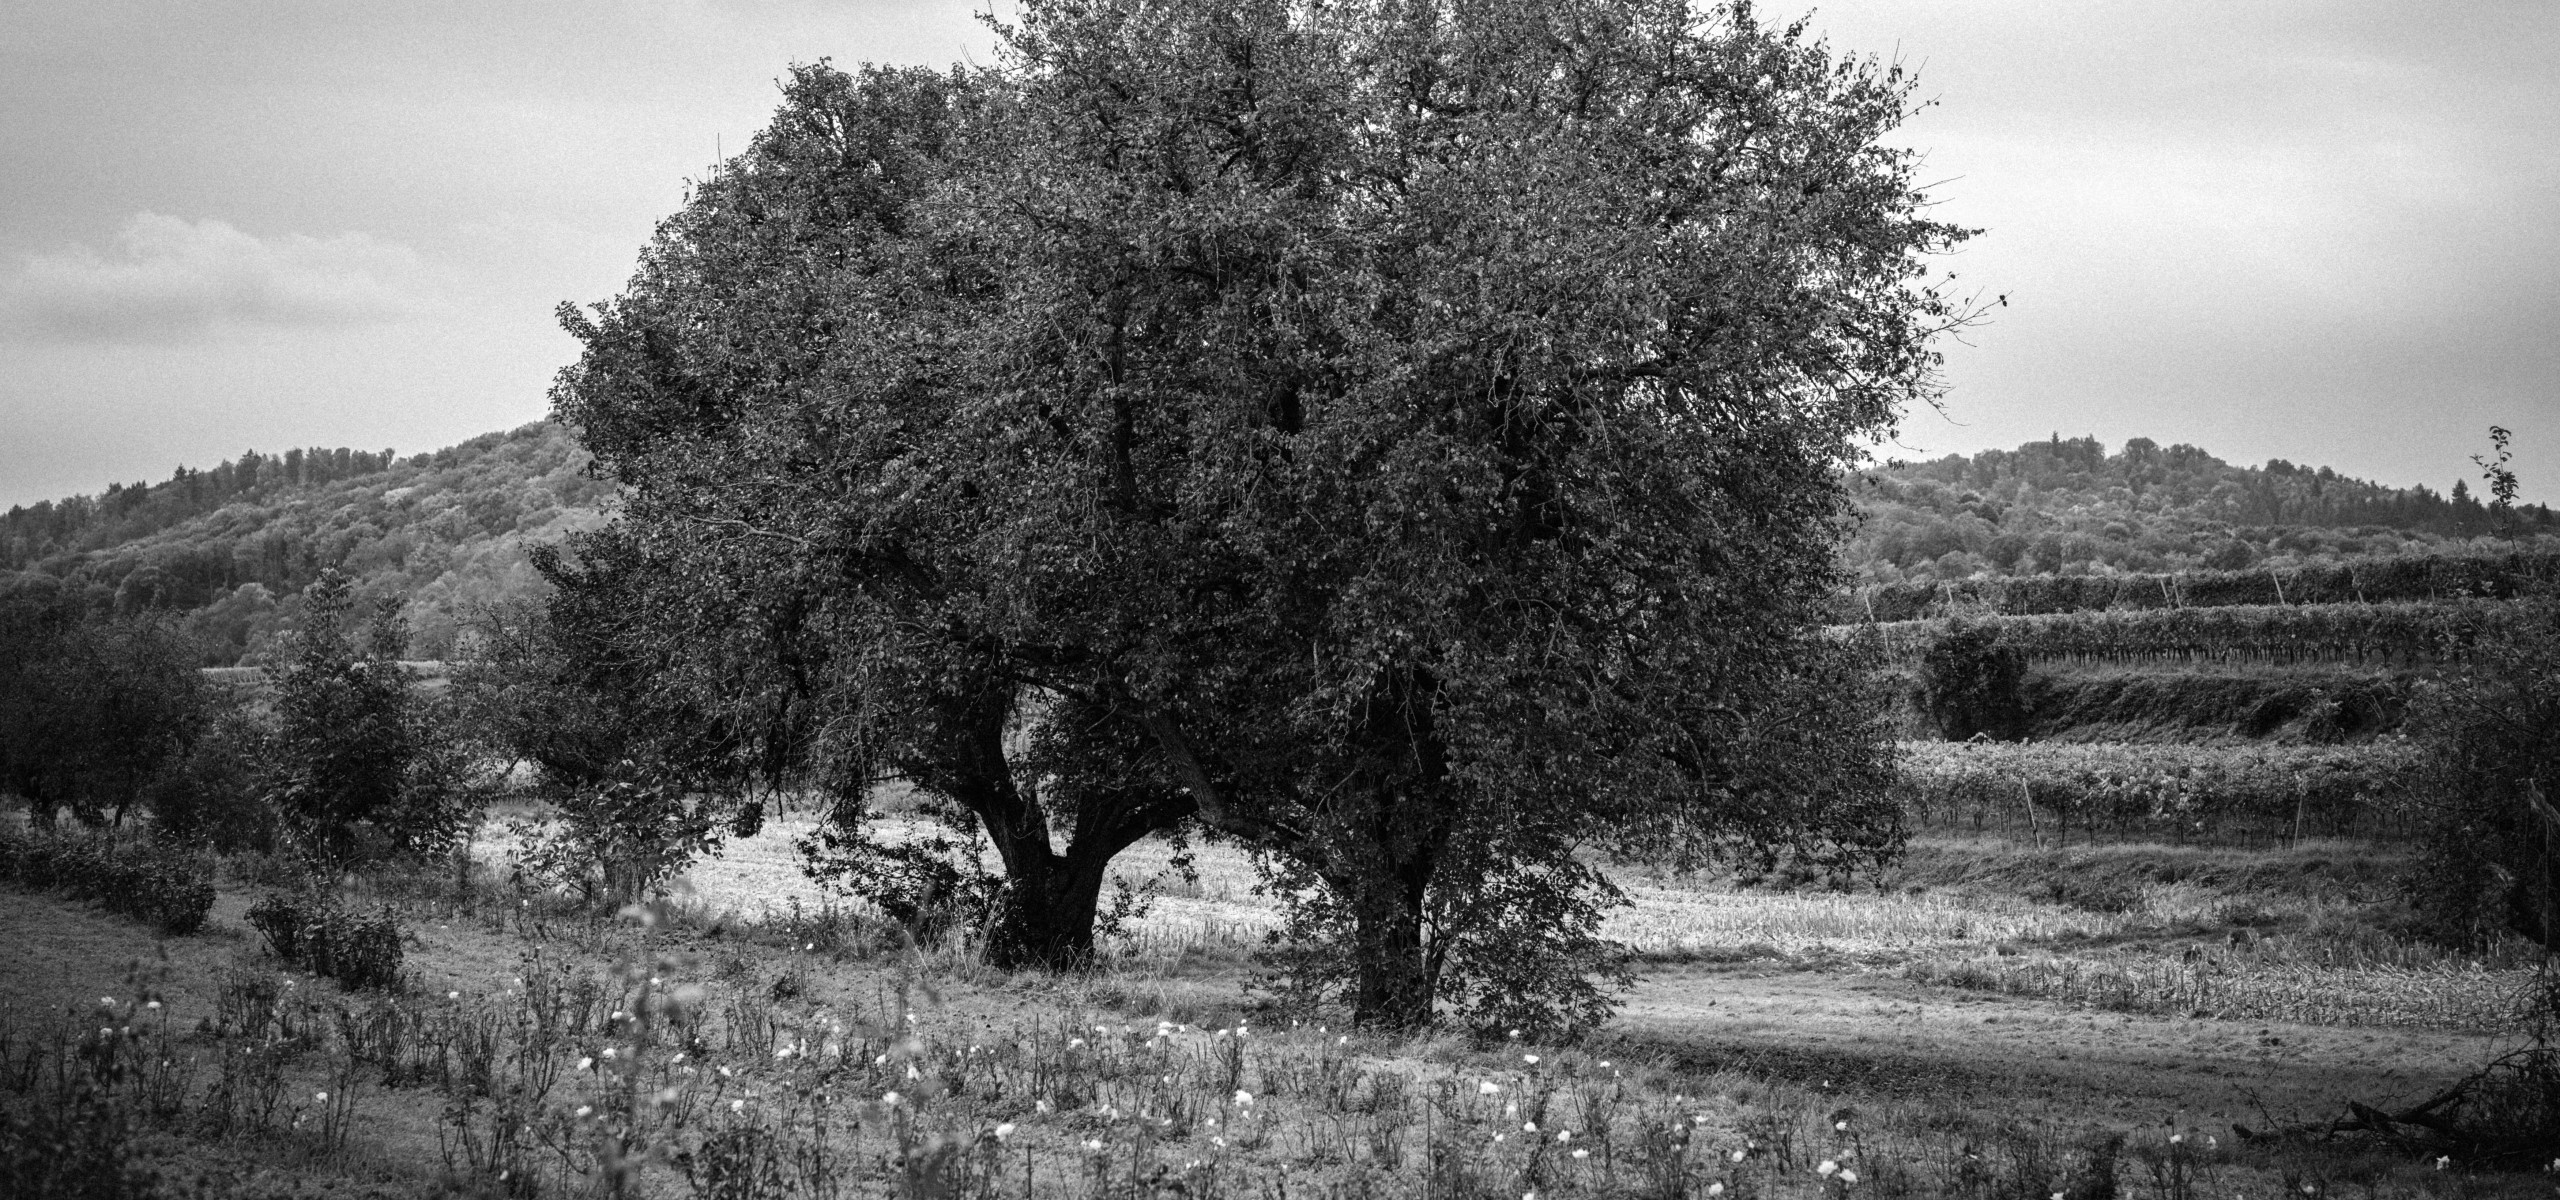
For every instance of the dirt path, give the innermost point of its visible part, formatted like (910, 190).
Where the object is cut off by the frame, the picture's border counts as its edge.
(1877, 1032)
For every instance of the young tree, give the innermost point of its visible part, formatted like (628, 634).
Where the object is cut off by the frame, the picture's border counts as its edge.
(361, 767)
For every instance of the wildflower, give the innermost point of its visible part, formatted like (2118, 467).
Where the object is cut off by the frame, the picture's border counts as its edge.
(1004, 1131)
(1840, 1126)
(608, 1054)
(737, 1106)
(583, 1110)
(1528, 1127)
(320, 1097)
(1244, 1098)
(584, 1063)
(883, 1059)
(1515, 1035)
(1827, 1169)
(1848, 1176)
(2177, 1139)
(1530, 1059)
(1738, 1155)
(1040, 1106)
(1564, 1135)
(153, 1004)
(1604, 1064)
(2443, 1161)
(447, 995)
(1582, 1154)
(1093, 1144)
(1075, 1043)
(1218, 1142)
(1487, 1088)
(1715, 1189)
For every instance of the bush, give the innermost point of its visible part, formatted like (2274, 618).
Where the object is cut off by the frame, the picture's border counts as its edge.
(615, 843)
(168, 887)
(312, 931)
(1972, 683)
(2492, 775)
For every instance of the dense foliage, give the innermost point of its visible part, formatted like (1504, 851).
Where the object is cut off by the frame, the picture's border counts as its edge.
(359, 765)
(1369, 419)
(2492, 732)
(98, 712)
(1972, 683)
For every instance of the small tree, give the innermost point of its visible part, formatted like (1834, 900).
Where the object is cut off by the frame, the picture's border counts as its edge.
(1971, 684)
(362, 767)
(2491, 731)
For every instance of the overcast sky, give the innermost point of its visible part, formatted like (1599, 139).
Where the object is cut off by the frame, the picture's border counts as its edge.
(2327, 232)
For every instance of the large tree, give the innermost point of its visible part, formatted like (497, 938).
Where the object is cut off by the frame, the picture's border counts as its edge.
(1418, 424)
(776, 393)
(1426, 420)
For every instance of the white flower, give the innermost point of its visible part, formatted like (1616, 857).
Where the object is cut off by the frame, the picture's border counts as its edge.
(1004, 1131)
(1487, 1088)
(1848, 1176)
(1582, 1154)
(1093, 1144)
(737, 1106)
(1075, 1043)
(1827, 1169)
(320, 1097)
(1715, 1189)
(1041, 1106)
(1840, 1126)
(608, 1054)
(1738, 1155)
(2177, 1139)
(582, 1111)
(584, 1063)
(1564, 1135)
(1604, 1064)
(1219, 1142)
(889, 1098)
(453, 995)
(153, 1004)
(2443, 1161)
(1530, 1059)
(1528, 1127)
(1515, 1035)
(1244, 1097)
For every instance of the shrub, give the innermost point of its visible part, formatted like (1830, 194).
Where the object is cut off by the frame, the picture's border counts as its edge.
(311, 930)
(615, 843)
(1973, 683)
(2492, 774)
(168, 887)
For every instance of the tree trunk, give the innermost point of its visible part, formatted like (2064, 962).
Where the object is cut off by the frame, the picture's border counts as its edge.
(1392, 985)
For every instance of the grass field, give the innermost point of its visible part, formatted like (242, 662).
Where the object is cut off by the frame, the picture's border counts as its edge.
(1986, 1020)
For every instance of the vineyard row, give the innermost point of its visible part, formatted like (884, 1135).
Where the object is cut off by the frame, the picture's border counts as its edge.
(2384, 580)
(2365, 634)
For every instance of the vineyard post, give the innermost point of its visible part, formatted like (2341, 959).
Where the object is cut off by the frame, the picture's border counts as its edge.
(2035, 826)
(2279, 579)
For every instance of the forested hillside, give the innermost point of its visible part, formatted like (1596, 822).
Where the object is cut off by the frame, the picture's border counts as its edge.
(231, 545)
(2066, 506)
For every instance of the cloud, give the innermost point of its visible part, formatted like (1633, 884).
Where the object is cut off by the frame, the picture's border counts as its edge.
(168, 279)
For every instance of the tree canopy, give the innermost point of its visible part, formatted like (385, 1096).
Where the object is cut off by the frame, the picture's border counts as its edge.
(1404, 438)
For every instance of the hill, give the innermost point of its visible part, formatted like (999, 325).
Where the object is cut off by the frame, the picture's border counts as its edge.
(231, 544)
(2067, 507)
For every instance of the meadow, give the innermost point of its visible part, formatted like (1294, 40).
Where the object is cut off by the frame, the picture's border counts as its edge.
(1989, 1018)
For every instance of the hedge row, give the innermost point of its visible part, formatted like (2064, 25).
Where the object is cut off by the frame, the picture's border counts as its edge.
(2397, 579)
(170, 888)
(2376, 634)
(2154, 790)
